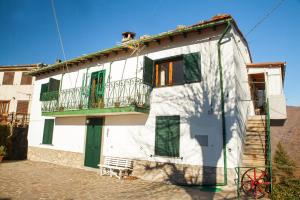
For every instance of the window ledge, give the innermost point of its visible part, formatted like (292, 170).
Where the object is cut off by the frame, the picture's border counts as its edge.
(46, 144)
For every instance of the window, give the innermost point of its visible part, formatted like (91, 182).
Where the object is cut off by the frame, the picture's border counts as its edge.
(22, 107)
(167, 136)
(169, 73)
(48, 131)
(172, 71)
(52, 88)
(26, 80)
(8, 78)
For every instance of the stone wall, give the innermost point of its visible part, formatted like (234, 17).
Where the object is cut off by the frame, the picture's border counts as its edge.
(180, 173)
(66, 158)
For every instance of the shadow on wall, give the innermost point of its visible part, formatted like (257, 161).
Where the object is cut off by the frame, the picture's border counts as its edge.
(201, 108)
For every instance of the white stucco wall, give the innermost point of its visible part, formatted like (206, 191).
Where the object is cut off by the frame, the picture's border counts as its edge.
(16, 92)
(133, 136)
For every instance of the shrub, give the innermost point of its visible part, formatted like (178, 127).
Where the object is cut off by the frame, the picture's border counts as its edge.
(4, 133)
(285, 186)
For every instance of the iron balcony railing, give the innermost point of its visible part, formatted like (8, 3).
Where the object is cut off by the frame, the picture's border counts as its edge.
(117, 94)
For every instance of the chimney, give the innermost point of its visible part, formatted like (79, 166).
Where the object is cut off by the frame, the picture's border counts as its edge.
(127, 36)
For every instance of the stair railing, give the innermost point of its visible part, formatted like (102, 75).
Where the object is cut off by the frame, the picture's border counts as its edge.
(268, 156)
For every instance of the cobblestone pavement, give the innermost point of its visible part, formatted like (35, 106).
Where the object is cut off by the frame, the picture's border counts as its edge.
(37, 180)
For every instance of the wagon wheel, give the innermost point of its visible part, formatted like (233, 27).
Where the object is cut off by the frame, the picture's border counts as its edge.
(255, 183)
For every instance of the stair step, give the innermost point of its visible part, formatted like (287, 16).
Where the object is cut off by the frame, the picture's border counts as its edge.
(259, 129)
(254, 156)
(260, 152)
(256, 144)
(253, 163)
(257, 117)
(256, 121)
(255, 140)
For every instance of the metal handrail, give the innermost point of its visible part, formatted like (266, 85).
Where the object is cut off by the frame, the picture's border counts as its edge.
(119, 93)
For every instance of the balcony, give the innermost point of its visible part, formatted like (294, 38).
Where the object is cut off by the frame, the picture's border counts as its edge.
(119, 97)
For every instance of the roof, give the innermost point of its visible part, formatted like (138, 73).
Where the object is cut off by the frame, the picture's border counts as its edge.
(267, 64)
(25, 67)
(214, 21)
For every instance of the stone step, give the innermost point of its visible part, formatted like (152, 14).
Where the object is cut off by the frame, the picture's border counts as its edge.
(254, 156)
(257, 134)
(256, 122)
(255, 129)
(255, 126)
(254, 153)
(254, 144)
(250, 162)
(257, 117)
(261, 140)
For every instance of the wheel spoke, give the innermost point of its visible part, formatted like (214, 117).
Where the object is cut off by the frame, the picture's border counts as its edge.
(262, 175)
(249, 177)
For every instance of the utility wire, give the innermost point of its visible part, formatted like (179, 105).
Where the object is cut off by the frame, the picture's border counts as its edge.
(265, 17)
(59, 35)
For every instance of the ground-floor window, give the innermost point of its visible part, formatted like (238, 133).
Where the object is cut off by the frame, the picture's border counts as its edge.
(167, 136)
(48, 131)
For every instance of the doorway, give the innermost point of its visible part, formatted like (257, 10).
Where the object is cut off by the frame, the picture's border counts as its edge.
(258, 92)
(93, 142)
(97, 87)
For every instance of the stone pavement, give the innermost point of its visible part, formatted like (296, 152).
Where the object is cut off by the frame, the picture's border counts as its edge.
(37, 180)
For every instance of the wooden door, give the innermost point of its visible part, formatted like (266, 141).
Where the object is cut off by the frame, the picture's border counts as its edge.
(93, 142)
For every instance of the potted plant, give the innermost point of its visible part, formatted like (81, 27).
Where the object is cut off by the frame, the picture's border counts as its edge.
(2, 152)
(61, 108)
(101, 103)
(117, 103)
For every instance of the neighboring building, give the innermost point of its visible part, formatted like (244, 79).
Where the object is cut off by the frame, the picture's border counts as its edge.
(16, 89)
(178, 103)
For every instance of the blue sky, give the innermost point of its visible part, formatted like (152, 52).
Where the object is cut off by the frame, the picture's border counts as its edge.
(28, 33)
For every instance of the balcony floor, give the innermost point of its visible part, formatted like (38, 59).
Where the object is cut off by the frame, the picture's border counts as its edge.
(99, 112)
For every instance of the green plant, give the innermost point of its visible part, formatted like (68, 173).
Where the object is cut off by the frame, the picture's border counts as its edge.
(283, 165)
(2, 150)
(285, 186)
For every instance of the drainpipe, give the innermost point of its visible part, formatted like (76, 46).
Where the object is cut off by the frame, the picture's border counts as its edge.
(222, 101)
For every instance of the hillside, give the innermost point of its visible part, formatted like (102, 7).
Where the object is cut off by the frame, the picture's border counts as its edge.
(289, 134)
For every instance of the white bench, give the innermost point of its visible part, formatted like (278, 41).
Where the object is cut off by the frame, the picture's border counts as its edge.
(112, 164)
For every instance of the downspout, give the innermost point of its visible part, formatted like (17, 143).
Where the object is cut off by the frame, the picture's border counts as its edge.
(222, 101)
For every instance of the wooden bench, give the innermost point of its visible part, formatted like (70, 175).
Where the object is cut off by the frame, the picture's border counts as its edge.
(113, 164)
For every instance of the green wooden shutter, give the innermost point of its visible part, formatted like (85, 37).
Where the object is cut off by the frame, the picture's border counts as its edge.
(167, 136)
(192, 67)
(48, 131)
(148, 71)
(44, 88)
(54, 85)
(54, 88)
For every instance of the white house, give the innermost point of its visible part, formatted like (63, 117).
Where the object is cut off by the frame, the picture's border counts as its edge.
(16, 89)
(177, 103)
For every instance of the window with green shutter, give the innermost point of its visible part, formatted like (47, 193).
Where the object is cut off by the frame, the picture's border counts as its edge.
(177, 70)
(148, 71)
(48, 131)
(167, 136)
(52, 87)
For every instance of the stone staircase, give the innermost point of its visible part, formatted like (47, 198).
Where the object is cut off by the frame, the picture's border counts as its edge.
(255, 141)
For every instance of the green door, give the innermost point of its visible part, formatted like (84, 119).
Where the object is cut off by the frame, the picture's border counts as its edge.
(97, 86)
(93, 142)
